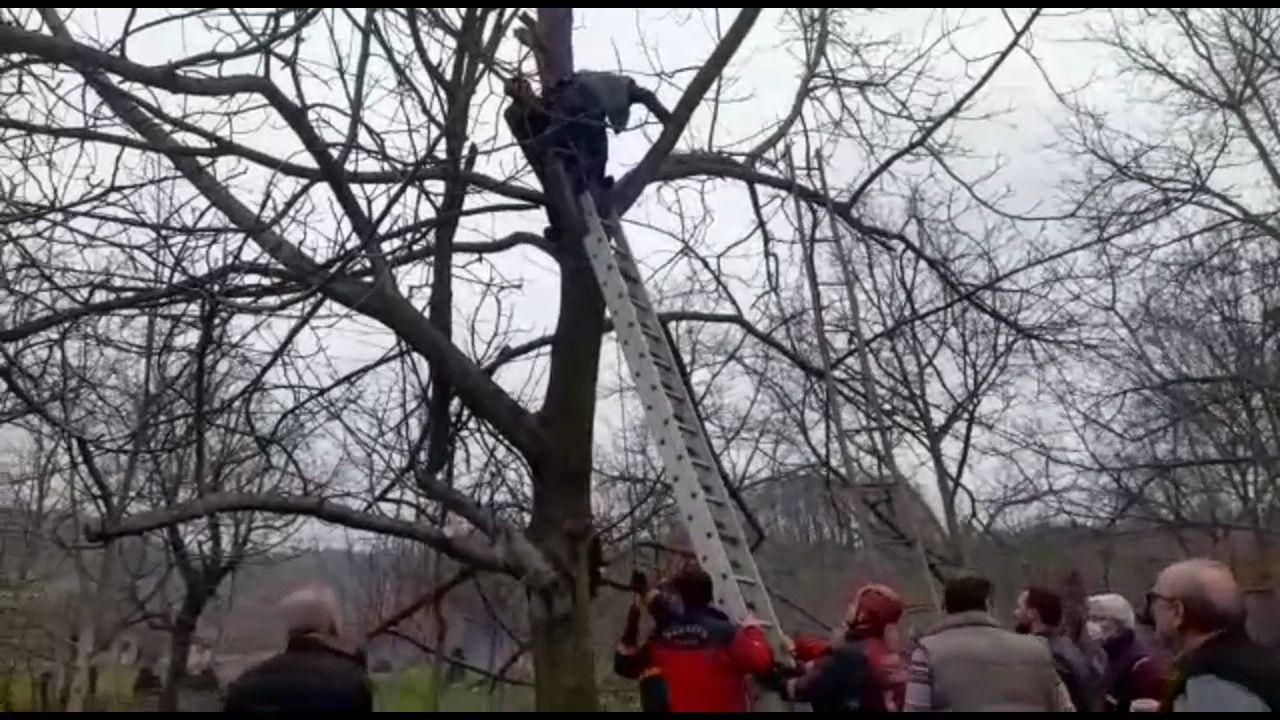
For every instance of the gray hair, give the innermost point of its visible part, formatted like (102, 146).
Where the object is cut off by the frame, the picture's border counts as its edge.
(312, 610)
(1112, 607)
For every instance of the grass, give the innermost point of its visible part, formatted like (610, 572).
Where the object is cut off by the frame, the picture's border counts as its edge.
(114, 690)
(411, 690)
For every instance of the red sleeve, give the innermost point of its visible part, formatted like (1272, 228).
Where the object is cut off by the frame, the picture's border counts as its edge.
(750, 651)
(809, 647)
(1147, 678)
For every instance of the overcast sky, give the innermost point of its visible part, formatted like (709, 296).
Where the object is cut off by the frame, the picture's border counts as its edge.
(764, 76)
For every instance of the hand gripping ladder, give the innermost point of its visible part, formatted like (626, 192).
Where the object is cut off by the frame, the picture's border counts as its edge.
(706, 508)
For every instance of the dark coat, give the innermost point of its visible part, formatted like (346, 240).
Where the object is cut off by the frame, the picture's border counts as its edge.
(1135, 670)
(1233, 657)
(1077, 674)
(309, 676)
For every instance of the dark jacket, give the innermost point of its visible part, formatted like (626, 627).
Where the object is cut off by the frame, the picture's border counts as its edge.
(703, 658)
(860, 674)
(1077, 674)
(1134, 671)
(309, 676)
(1232, 657)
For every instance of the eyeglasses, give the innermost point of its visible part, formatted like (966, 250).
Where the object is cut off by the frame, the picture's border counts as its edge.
(1152, 596)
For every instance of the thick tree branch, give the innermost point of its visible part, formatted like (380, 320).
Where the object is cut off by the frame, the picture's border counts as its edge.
(486, 398)
(629, 187)
(491, 559)
(83, 58)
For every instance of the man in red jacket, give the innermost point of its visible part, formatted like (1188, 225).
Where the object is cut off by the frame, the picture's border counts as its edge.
(702, 657)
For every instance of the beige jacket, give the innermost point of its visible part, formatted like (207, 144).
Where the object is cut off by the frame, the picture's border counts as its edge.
(968, 663)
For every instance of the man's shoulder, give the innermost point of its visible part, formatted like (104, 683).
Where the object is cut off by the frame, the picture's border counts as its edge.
(1066, 649)
(1210, 693)
(604, 79)
(329, 663)
(989, 638)
(698, 628)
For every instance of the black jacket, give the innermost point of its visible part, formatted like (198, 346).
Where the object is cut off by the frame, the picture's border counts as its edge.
(1233, 657)
(837, 682)
(309, 676)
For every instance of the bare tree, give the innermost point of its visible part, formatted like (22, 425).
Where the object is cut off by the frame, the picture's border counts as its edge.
(328, 155)
(1168, 400)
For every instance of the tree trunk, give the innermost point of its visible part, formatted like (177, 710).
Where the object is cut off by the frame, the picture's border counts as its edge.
(563, 657)
(184, 627)
(79, 696)
(561, 522)
(78, 692)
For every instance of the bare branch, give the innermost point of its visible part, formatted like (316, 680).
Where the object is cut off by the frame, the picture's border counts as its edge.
(628, 189)
(315, 507)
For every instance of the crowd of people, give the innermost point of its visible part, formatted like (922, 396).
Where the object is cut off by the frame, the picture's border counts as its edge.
(1191, 655)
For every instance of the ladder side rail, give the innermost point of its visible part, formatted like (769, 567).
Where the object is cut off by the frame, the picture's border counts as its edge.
(659, 415)
(710, 475)
(875, 410)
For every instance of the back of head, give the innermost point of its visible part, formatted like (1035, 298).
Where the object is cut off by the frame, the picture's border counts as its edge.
(1046, 603)
(966, 593)
(312, 610)
(1114, 607)
(694, 587)
(1210, 597)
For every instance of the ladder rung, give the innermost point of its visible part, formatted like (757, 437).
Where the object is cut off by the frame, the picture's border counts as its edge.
(701, 464)
(686, 430)
(674, 393)
(628, 275)
(619, 252)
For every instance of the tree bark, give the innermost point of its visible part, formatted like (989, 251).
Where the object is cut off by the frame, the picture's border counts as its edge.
(561, 524)
(184, 628)
(561, 521)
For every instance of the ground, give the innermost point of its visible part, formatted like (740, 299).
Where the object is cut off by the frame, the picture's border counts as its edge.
(406, 691)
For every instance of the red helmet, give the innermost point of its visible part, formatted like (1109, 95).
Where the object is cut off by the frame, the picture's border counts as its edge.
(874, 608)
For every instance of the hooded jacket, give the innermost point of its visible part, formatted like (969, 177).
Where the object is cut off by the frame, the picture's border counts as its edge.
(703, 658)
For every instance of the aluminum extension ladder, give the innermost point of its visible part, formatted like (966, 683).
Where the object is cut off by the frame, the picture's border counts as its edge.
(706, 509)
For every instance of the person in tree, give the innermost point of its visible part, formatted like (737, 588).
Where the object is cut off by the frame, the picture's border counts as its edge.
(862, 671)
(702, 658)
(579, 108)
